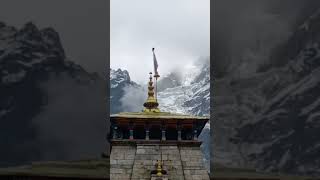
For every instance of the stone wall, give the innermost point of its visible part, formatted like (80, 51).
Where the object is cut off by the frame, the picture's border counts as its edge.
(121, 162)
(137, 161)
(192, 163)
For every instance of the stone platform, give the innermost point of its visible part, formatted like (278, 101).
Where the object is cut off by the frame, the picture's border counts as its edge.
(93, 169)
(227, 173)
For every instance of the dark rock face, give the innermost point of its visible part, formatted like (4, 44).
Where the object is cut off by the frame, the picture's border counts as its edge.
(34, 78)
(282, 134)
(287, 129)
(301, 39)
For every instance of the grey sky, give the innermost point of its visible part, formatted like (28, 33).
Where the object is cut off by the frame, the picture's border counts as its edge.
(82, 25)
(179, 30)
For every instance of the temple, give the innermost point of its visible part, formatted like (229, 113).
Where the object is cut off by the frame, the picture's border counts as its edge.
(152, 144)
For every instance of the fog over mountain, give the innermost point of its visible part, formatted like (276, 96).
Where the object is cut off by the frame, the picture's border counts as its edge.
(246, 32)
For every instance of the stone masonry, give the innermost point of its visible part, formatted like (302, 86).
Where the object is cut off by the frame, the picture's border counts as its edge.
(135, 162)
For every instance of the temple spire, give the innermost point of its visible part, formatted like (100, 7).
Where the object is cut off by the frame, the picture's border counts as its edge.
(151, 105)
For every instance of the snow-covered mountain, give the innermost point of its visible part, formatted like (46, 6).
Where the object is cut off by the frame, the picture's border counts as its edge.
(191, 96)
(44, 96)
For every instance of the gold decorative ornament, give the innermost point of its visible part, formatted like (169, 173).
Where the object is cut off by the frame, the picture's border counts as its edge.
(151, 105)
(159, 168)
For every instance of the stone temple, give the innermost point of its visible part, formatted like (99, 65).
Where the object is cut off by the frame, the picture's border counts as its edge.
(156, 145)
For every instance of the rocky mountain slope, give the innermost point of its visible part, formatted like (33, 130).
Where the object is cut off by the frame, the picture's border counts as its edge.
(286, 128)
(191, 95)
(270, 119)
(44, 97)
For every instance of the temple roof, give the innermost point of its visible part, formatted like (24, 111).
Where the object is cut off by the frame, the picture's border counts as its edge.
(157, 115)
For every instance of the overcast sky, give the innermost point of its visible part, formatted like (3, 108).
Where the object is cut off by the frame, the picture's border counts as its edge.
(179, 30)
(81, 24)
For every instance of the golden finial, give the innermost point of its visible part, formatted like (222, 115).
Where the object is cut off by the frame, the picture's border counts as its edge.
(159, 168)
(151, 105)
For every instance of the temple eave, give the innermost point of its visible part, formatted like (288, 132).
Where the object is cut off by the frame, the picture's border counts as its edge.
(153, 142)
(157, 115)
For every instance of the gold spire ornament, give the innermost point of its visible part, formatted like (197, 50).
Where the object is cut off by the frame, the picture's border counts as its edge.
(159, 168)
(151, 105)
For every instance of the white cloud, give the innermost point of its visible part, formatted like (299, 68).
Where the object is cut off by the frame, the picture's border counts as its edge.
(179, 30)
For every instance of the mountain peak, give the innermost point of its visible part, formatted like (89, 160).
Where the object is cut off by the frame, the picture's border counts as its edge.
(29, 28)
(52, 39)
(50, 32)
(123, 75)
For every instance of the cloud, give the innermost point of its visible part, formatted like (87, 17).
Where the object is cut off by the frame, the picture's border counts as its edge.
(178, 30)
(133, 99)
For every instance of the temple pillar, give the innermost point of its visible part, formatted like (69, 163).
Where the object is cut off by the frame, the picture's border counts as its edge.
(179, 135)
(163, 135)
(131, 127)
(179, 131)
(114, 132)
(147, 134)
(195, 131)
(146, 126)
(131, 134)
(163, 131)
(195, 134)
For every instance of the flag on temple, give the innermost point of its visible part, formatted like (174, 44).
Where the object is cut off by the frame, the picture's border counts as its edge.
(155, 63)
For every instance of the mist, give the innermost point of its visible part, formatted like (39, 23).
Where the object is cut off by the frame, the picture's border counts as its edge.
(73, 124)
(133, 99)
